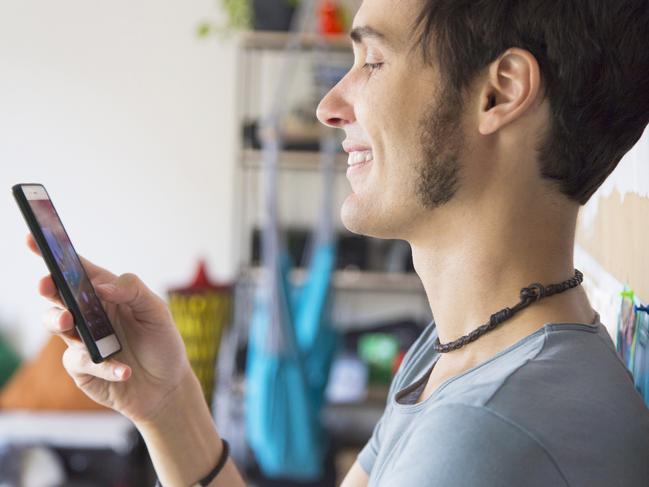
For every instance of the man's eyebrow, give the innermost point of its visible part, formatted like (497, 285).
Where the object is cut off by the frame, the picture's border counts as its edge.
(359, 33)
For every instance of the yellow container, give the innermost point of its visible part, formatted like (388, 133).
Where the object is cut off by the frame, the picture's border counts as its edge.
(201, 312)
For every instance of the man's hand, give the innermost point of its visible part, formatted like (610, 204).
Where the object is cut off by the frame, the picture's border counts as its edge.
(152, 362)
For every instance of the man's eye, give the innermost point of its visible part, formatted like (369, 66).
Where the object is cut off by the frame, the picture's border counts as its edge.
(372, 66)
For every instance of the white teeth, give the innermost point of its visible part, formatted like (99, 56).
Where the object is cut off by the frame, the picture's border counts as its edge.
(358, 157)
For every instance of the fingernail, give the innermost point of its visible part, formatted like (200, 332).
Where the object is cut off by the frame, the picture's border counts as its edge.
(119, 372)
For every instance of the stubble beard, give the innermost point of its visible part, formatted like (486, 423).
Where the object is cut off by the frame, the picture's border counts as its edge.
(441, 140)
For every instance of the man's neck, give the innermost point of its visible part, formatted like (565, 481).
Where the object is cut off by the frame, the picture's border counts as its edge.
(478, 266)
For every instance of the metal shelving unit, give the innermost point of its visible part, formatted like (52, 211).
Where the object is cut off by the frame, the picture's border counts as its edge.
(353, 280)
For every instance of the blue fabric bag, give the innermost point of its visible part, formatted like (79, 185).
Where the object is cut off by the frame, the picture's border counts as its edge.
(290, 350)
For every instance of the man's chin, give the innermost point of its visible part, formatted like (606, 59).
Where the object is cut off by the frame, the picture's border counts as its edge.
(354, 215)
(363, 219)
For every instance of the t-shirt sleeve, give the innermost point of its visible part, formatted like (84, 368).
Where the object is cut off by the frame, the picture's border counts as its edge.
(464, 445)
(368, 454)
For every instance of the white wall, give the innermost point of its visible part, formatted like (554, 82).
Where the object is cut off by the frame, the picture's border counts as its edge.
(127, 118)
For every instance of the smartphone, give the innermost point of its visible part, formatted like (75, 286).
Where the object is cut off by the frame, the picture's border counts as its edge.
(70, 278)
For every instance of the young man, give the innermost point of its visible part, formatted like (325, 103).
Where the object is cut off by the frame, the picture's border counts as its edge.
(475, 130)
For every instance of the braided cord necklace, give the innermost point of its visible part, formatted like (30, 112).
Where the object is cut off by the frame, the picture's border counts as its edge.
(534, 292)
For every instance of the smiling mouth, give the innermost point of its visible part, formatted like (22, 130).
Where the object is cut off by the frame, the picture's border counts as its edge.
(357, 158)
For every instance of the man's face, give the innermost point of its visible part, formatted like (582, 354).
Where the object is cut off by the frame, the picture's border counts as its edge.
(402, 127)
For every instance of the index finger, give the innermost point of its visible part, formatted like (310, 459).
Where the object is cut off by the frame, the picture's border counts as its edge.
(95, 273)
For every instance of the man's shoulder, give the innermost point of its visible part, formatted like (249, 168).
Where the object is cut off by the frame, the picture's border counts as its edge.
(575, 367)
(571, 399)
(558, 403)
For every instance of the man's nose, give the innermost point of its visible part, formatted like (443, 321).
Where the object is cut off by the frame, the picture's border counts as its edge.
(335, 109)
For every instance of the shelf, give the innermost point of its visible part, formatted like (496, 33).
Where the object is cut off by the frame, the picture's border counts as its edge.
(271, 40)
(368, 281)
(292, 160)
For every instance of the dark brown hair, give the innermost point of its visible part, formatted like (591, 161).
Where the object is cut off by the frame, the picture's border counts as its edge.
(594, 62)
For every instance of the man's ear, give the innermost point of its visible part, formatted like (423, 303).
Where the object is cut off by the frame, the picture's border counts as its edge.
(512, 86)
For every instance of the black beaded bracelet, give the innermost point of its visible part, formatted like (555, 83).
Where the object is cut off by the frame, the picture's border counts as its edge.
(204, 482)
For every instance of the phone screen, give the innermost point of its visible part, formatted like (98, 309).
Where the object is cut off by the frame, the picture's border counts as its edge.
(68, 261)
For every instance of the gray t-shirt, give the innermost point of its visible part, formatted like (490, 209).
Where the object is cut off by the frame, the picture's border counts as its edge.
(558, 408)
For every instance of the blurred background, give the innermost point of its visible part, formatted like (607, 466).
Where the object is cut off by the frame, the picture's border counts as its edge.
(145, 121)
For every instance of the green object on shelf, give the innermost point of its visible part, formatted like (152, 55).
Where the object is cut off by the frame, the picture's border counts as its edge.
(378, 351)
(9, 361)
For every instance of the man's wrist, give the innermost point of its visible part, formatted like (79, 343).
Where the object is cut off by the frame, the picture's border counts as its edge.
(178, 399)
(181, 436)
